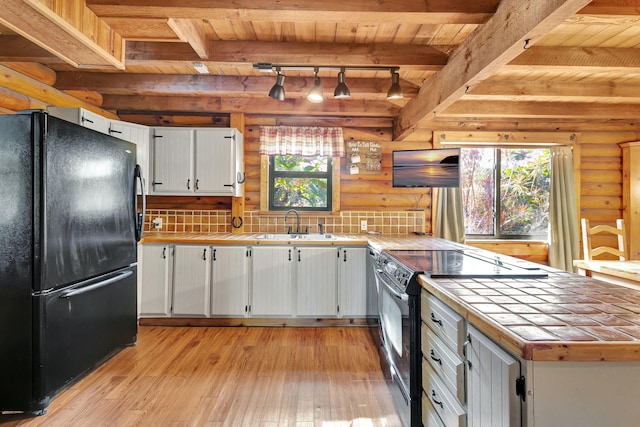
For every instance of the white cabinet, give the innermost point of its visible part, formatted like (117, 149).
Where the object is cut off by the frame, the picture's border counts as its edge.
(171, 161)
(192, 283)
(352, 282)
(139, 135)
(218, 161)
(155, 264)
(315, 273)
(82, 117)
(272, 281)
(186, 161)
(230, 281)
(492, 375)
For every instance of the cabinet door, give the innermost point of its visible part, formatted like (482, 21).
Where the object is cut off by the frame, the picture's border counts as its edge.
(272, 281)
(154, 268)
(172, 157)
(491, 384)
(82, 117)
(352, 282)
(316, 281)
(139, 135)
(229, 281)
(214, 161)
(191, 285)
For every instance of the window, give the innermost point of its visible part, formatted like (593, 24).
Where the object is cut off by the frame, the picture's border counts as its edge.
(505, 192)
(300, 182)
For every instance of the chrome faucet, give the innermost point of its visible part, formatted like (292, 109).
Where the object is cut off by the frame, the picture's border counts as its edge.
(286, 216)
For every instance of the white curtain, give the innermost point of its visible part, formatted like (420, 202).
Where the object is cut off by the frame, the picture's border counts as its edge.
(564, 242)
(449, 214)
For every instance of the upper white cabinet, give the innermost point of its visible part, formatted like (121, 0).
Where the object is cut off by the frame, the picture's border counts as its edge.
(207, 161)
(171, 161)
(139, 135)
(82, 117)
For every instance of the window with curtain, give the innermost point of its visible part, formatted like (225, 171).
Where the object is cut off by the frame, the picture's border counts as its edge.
(505, 192)
(300, 165)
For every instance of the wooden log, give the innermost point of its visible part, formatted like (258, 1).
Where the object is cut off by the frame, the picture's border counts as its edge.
(34, 70)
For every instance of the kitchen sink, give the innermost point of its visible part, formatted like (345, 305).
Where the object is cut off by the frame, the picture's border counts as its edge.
(307, 237)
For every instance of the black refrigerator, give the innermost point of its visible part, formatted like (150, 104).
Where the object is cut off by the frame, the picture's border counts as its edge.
(70, 218)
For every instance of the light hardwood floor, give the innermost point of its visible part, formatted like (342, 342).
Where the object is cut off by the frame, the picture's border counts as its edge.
(216, 376)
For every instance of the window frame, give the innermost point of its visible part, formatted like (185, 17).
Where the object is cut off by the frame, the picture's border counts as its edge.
(273, 174)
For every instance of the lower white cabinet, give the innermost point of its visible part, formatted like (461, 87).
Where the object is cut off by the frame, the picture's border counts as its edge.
(352, 283)
(315, 272)
(492, 375)
(191, 280)
(230, 281)
(272, 281)
(155, 264)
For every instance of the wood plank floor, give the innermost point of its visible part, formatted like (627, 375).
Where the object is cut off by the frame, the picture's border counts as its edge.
(216, 376)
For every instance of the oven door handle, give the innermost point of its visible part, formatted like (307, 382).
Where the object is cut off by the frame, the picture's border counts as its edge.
(399, 295)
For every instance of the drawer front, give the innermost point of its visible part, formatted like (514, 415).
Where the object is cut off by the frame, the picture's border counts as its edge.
(444, 362)
(430, 417)
(442, 320)
(445, 404)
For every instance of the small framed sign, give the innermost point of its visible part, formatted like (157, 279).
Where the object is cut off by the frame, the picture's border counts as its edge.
(364, 157)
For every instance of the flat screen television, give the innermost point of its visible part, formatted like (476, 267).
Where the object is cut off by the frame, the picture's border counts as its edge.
(429, 168)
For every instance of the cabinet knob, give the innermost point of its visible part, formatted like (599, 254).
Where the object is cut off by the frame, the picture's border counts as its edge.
(204, 254)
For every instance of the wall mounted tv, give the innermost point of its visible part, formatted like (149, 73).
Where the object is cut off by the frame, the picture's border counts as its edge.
(426, 168)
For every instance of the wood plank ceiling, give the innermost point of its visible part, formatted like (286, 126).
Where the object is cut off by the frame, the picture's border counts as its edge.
(485, 64)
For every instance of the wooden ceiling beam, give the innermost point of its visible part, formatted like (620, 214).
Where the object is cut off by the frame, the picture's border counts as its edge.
(578, 56)
(537, 90)
(422, 57)
(190, 31)
(18, 49)
(555, 110)
(611, 7)
(72, 33)
(213, 85)
(515, 25)
(214, 105)
(353, 11)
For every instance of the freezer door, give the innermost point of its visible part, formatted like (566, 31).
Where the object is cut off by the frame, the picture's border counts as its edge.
(82, 325)
(89, 211)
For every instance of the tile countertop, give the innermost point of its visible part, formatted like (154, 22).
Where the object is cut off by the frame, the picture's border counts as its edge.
(563, 317)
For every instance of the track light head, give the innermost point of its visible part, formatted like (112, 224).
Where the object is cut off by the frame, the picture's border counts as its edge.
(395, 91)
(277, 91)
(315, 94)
(342, 91)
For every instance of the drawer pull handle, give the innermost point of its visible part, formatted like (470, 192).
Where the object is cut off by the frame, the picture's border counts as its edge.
(434, 320)
(434, 400)
(434, 358)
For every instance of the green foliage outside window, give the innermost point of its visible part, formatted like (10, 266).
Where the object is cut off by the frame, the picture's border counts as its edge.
(513, 182)
(300, 182)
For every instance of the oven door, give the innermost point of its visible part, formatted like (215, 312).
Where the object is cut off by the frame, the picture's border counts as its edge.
(395, 324)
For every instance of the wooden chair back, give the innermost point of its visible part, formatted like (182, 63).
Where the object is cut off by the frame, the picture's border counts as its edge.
(622, 252)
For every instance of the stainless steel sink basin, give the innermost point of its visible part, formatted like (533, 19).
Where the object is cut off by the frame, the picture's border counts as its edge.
(306, 237)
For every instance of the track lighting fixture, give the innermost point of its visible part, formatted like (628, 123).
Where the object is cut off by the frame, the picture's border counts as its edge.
(315, 94)
(395, 91)
(277, 91)
(341, 91)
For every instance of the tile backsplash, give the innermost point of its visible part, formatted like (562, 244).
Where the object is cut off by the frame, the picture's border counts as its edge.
(348, 222)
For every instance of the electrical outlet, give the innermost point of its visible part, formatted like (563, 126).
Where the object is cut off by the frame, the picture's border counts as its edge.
(157, 222)
(363, 225)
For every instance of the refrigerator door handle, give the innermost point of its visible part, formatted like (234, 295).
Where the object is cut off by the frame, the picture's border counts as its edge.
(79, 291)
(138, 215)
